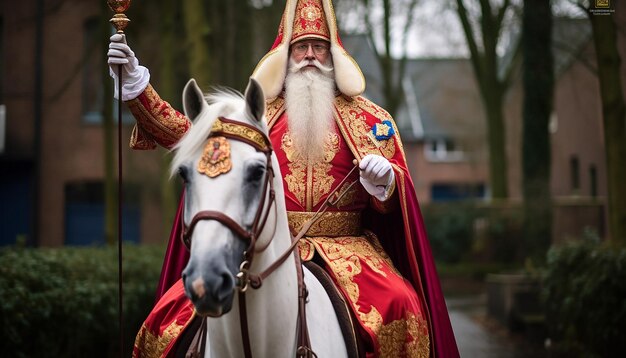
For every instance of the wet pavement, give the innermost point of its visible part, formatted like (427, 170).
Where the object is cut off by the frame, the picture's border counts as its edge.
(479, 337)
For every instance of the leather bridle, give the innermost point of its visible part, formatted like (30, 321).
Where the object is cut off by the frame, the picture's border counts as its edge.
(258, 140)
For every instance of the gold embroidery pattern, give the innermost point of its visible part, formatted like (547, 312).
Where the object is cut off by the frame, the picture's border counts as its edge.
(140, 140)
(349, 197)
(345, 256)
(382, 114)
(215, 158)
(309, 19)
(295, 180)
(244, 132)
(382, 130)
(322, 182)
(405, 338)
(354, 115)
(273, 110)
(378, 247)
(152, 345)
(306, 249)
(331, 146)
(308, 181)
(331, 223)
(158, 118)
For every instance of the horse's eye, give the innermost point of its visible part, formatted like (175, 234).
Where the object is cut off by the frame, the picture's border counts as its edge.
(256, 172)
(182, 172)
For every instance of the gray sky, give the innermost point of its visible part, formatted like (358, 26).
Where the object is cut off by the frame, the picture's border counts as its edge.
(437, 31)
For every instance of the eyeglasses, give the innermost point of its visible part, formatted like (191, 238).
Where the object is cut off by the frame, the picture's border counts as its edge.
(302, 48)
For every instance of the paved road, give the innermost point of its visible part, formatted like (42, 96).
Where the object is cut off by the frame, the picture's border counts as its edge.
(474, 339)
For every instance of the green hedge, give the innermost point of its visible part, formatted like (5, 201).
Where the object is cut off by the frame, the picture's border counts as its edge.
(474, 231)
(64, 302)
(584, 288)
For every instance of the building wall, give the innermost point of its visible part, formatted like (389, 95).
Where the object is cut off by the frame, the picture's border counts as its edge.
(18, 76)
(71, 149)
(425, 173)
(578, 131)
(578, 134)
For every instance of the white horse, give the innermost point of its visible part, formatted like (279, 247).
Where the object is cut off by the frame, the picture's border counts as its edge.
(217, 247)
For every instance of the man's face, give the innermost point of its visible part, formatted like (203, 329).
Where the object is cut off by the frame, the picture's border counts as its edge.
(310, 50)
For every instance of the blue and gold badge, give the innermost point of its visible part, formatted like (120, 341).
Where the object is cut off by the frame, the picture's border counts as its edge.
(383, 130)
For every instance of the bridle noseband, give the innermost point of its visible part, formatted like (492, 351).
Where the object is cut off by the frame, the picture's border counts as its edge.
(258, 140)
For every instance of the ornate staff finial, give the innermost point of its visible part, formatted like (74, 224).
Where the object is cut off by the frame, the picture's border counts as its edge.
(119, 20)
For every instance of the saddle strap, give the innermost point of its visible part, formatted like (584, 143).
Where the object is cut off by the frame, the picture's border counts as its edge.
(303, 349)
(198, 344)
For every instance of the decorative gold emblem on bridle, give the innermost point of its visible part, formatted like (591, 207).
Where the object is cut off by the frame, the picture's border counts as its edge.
(215, 158)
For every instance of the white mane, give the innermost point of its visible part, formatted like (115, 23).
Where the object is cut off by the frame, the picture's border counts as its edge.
(221, 102)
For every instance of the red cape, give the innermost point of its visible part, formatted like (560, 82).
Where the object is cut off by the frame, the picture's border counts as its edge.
(412, 256)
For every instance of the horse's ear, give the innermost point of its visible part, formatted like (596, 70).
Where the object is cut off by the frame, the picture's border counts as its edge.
(193, 100)
(255, 100)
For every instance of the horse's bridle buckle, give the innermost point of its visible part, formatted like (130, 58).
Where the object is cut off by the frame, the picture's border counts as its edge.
(243, 278)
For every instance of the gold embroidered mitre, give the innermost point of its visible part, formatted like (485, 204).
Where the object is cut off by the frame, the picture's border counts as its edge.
(309, 21)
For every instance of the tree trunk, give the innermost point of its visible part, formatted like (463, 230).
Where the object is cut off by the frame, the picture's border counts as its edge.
(392, 70)
(108, 125)
(197, 32)
(538, 80)
(496, 138)
(168, 89)
(492, 87)
(614, 113)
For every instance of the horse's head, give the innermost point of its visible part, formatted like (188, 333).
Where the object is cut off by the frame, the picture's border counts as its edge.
(225, 162)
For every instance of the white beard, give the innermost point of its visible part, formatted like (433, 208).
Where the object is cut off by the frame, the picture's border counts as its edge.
(309, 99)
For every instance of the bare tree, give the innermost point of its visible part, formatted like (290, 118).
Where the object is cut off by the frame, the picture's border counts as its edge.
(379, 17)
(605, 36)
(483, 28)
(538, 80)
(197, 28)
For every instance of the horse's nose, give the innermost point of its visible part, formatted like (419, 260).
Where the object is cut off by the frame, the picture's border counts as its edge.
(217, 284)
(223, 285)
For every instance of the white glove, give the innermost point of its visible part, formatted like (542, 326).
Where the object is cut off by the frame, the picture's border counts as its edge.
(377, 176)
(135, 78)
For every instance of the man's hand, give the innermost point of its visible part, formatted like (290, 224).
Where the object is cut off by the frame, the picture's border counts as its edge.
(135, 78)
(376, 176)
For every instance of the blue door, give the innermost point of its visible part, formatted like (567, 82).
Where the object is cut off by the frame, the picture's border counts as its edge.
(84, 215)
(15, 202)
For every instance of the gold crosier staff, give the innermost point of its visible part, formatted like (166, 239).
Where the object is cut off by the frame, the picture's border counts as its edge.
(119, 21)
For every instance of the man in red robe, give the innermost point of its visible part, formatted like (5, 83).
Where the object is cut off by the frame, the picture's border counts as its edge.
(372, 242)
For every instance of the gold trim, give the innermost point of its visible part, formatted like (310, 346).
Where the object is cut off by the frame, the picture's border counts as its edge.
(332, 223)
(159, 119)
(153, 345)
(244, 132)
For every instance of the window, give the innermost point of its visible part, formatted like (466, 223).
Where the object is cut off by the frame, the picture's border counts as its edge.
(92, 75)
(574, 166)
(593, 179)
(84, 213)
(93, 67)
(460, 191)
(442, 150)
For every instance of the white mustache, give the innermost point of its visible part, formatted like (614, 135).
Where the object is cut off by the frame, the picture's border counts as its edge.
(295, 67)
